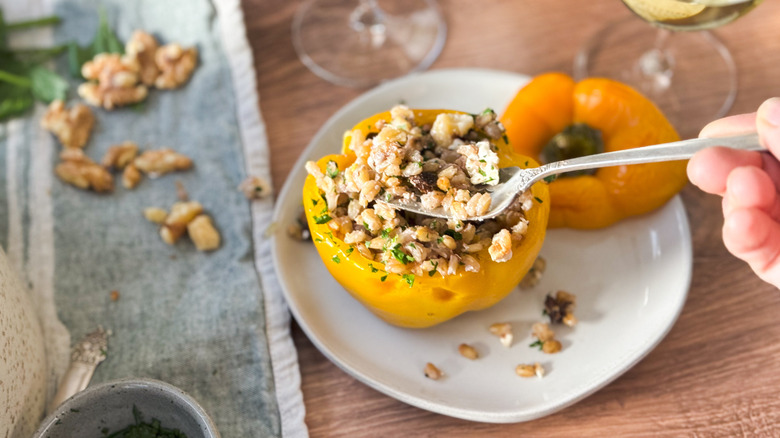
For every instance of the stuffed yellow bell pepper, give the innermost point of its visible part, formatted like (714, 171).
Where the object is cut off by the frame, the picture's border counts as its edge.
(553, 118)
(410, 300)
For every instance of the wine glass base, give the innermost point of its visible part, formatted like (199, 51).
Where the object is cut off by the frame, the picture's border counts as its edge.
(691, 76)
(360, 43)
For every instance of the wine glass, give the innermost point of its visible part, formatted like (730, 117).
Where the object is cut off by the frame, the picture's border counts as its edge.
(359, 43)
(687, 71)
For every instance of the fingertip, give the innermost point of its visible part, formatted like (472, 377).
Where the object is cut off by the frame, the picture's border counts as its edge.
(768, 125)
(732, 125)
(751, 235)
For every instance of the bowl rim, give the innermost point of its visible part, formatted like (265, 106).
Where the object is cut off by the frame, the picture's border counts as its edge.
(207, 424)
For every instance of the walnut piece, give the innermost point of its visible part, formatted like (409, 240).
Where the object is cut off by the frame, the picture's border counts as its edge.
(79, 170)
(131, 177)
(162, 161)
(175, 64)
(182, 213)
(255, 187)
(120, 155)
(203, 234)
(72, 127)
(113, 81)
(155, 214)
(560, 308)
(142, 47)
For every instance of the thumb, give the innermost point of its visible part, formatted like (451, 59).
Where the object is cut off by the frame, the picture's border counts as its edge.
(768, 125)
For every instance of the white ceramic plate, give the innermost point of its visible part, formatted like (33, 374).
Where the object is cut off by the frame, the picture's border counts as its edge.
(630, 280)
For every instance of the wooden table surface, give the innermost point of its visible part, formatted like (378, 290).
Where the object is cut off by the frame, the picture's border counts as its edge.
(717, 373)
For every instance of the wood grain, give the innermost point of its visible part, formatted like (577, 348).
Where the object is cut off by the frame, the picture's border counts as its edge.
(717, 373)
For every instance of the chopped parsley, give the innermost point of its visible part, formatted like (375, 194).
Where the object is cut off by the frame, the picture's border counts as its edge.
(433, 271)
(538, 344)
(400, 255)
(482, 172)
(386, 232)
(409, 278)
(454, 234)
(349, 251)
(384, 277)
(538, 199)
(322, 219)
(373, 269)
(440, 240)
(365, 225)
(332, 169)
(314, 201)
(551, 178)
(506, 139)
(336, 259)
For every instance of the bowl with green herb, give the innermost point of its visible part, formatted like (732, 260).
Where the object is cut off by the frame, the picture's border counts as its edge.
(129, 408)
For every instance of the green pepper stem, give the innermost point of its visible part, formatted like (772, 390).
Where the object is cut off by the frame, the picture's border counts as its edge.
(44, 21)
(11, 78)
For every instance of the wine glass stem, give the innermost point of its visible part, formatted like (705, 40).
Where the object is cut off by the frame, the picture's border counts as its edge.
(656, 66)
(368, 20)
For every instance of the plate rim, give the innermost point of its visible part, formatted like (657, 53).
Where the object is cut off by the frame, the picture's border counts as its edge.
(602, 379)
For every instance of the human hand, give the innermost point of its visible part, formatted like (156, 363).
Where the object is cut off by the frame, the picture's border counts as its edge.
(749, 183)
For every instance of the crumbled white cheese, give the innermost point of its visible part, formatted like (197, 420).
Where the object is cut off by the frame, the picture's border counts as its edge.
(446, 126)
(482, 167)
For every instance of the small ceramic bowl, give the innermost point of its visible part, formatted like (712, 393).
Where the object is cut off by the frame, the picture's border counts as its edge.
(108, 407)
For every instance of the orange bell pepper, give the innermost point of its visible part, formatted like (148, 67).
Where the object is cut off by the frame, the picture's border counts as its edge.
(552, 102)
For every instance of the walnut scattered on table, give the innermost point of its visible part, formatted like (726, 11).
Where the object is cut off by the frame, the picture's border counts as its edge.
(143, 47)
(176, 65)
(185, 218)
(71, 126)
(119, 156)
(530, 370)
(255, 187)
(560, 308)
(161, 161)
(504, 332)
(203, 234)
(79, 170)
(112, 81)
(545, 338)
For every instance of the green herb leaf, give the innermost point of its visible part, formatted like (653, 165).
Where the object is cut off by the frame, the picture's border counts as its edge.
(384, 277)
(537, 344)
(400, 255)
(409, 279)
(336, 259)
(373, 269)
(77, 56)
(323, 219)
(551, 178)
(332, 169)
(14, 100)
(538, 199)
(454, 234)
(47, 85)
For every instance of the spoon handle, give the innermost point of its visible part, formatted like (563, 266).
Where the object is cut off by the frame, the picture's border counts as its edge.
(678, 150)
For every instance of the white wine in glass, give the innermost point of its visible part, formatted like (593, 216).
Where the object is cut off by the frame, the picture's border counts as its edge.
(685, 69)
(359, 43)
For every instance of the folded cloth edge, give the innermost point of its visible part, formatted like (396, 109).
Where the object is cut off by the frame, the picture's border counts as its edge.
(284, 360)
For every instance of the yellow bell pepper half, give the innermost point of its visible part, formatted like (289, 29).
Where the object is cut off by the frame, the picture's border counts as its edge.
(423, 301)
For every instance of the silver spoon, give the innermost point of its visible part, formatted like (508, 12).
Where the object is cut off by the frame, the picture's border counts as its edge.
(514, 180)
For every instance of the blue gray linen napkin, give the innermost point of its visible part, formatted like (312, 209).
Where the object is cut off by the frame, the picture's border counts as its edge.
(197, 320)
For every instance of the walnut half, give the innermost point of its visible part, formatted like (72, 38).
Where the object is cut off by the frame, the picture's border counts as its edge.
(113, 81)
(176, 65)
(79, 170)
(72, 127)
